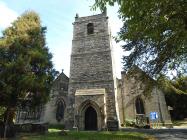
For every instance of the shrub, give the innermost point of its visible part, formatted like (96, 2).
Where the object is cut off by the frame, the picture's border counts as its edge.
(57, 126)
(130, 123)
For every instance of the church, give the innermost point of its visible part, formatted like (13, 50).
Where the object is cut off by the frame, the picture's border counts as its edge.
(92, 98)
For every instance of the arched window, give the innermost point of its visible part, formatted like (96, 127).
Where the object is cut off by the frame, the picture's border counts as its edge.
(90, 28)
(139, 106)
(60, 111)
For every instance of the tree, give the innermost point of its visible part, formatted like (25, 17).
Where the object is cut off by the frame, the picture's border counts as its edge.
(2, 110)
(154, 32)
(176, 95)
(25, 64)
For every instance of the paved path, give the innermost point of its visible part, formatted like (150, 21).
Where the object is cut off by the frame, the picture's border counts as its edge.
(163, 134)
(171, 136)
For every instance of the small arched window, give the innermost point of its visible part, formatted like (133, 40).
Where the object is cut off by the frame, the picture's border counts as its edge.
(90, 28)
(60, 111)
(139, 106)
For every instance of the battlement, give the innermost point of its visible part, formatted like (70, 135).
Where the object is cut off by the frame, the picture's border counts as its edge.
(90, 18)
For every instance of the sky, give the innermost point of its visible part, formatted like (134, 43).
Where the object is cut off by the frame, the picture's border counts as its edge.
(58, 16)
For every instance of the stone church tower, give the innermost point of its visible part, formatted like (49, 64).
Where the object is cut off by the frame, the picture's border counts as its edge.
(91, 93)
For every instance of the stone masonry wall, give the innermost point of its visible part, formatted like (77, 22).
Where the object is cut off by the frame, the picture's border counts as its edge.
(59, 92)
(91, 63)
(132, 87)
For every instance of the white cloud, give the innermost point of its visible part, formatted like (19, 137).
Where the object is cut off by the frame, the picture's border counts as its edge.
(7, 15)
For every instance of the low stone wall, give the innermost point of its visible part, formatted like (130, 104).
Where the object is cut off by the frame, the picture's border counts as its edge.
(41, 128)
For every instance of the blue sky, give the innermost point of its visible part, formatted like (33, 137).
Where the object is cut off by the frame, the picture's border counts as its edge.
(58, 16)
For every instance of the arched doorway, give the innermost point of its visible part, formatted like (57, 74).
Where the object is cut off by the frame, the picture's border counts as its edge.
(90, 119)
(90, 107)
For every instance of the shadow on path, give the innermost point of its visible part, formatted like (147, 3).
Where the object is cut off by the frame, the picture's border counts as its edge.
(162, 134)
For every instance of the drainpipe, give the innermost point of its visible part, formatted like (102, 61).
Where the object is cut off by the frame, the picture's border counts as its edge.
(122, 102)
(159, 107)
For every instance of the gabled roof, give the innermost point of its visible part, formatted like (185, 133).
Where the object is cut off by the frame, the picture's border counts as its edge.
(134, 71)
(62, 77)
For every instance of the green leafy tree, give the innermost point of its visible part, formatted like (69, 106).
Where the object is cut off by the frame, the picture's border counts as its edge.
(2, 110)
(176, 95)
(26, 68)
(154, 32)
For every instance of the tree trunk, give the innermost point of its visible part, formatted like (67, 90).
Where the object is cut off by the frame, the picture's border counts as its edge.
(8, 119)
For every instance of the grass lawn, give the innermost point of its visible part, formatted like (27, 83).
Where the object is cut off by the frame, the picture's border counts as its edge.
(53, 134)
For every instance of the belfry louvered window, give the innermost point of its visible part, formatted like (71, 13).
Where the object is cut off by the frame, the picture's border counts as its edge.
(90, 28)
